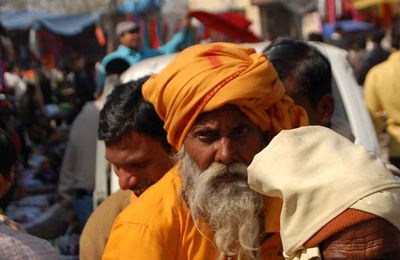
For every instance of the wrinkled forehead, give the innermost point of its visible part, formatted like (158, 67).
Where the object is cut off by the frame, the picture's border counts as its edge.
(227, 114)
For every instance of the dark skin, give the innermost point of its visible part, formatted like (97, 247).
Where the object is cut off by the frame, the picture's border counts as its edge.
(320, 113)
(374, 240)
(131, 39)
(139, 161)
(224, 135)
(6, 181)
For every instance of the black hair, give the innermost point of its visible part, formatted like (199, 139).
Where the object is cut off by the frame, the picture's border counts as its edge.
(338, 28)
(8, 153)
(116, 66)
(317, 37)
(12, 65)
(295, 59)
(377, 35)
(126, 110)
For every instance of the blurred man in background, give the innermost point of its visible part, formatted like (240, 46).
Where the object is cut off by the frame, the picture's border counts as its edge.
(375, 54)
(307, 76)
(130, 46)
(15, 243)
(77, 174)
(381, 92)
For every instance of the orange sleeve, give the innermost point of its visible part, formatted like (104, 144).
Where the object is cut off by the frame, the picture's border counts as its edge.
(133, 241)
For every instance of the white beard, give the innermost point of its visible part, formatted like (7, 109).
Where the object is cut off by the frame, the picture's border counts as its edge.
(221, 197)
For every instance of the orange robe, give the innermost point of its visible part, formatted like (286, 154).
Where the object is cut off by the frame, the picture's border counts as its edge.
(159, 226)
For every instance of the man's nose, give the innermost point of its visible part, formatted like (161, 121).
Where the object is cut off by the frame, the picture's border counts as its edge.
(226, 153)
(126, 180)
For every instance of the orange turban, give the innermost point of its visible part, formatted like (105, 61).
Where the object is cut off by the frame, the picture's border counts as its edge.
(205, 77)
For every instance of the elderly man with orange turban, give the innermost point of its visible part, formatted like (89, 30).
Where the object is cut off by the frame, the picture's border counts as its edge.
(221, 104)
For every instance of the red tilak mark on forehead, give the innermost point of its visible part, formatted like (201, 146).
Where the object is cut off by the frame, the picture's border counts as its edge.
(200, 105)
(214, 61)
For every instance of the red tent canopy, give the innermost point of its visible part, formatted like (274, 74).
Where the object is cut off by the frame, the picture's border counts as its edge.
(232, 24)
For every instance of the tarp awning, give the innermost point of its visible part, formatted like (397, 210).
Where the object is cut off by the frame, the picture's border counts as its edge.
(23, 20)
(361, 4)
(69, 25)
(63, 24)
(347, 26)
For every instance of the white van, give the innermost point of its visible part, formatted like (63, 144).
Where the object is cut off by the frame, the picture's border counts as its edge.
(350, 118)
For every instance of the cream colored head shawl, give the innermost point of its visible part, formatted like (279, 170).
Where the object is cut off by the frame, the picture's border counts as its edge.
(319, 174)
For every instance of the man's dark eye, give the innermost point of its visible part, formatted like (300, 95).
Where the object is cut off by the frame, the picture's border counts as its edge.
(207, 136)
(241, 130)
(138, 165)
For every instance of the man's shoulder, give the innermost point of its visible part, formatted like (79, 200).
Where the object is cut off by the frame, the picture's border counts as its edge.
(87, 110)
(17, 244)
(89, 113)
(118, 53)
(97, 229)
(162, 200)
(381, 68)
(121, 52)
(120, 199)
(109, 209)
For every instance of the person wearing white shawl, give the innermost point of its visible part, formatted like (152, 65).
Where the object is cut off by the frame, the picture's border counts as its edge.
(331, 190)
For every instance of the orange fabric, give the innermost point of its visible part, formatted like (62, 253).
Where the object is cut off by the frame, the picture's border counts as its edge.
(207, 76)
(158, 226)
(101, 38)
(348, 218)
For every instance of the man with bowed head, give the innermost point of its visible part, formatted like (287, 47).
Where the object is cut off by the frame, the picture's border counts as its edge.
(220, 103)
(137, 147)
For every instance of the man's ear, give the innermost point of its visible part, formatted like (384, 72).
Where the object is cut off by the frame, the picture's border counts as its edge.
(325, 109)
(3, 186)
(6, 181)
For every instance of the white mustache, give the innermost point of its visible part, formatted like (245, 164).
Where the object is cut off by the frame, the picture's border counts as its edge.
(221, 170)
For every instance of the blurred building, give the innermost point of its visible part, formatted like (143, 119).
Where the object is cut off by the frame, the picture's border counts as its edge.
(286, 17)
(282, 17)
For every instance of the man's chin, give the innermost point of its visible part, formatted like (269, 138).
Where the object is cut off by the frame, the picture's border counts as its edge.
(139, 191)
(135, 47)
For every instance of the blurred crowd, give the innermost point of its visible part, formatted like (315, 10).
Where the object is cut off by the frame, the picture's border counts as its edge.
(37, 107)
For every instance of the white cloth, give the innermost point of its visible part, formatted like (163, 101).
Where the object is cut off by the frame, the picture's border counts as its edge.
(319, 174)
(15, 82)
